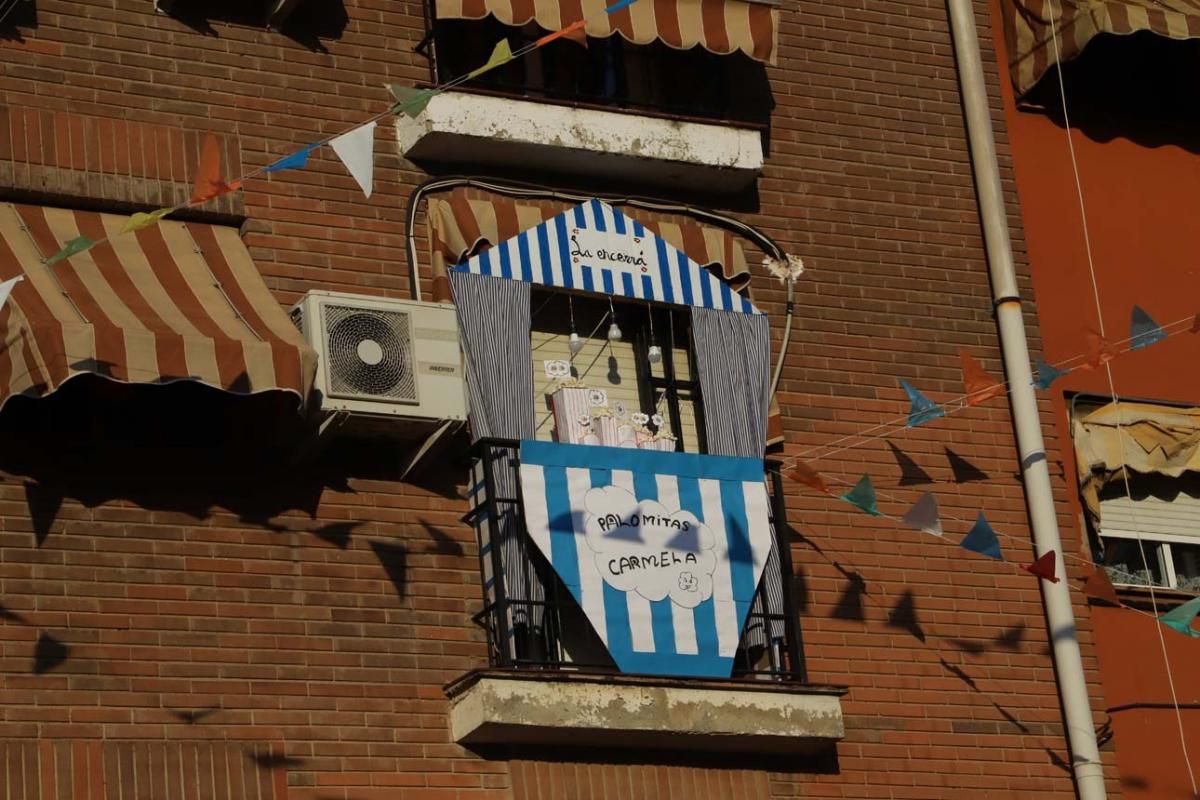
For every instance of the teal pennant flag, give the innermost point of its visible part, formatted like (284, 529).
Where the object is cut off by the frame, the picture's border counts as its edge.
(1046, 374)
(923, 409)
(1180, 619)
(982, 539)
(863, 496)
(1143, 330)
(410, 101)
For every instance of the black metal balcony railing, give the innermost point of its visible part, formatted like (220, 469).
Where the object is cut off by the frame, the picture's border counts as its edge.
(532, 622)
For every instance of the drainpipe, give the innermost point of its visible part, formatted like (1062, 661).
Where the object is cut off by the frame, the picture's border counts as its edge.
(1035, 472)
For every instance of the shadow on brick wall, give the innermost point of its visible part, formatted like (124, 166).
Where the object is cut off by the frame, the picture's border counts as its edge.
(311, 22)
(16, 15)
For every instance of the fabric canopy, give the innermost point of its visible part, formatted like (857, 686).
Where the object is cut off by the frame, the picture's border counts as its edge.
(461, 227)
(719, 26)
(595, 248)
(1029, 37)
(174, 301)
(1151, 440)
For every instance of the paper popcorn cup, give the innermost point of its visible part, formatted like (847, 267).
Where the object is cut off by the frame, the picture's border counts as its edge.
(606, 427)
(625, 435)
(664, 441)
(644, 438)
(569, 401)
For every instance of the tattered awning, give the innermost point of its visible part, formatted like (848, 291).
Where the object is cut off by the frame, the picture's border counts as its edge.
(1030, 33)
(461, 226)
(177, 301)
(719, 26)
(1150, 439)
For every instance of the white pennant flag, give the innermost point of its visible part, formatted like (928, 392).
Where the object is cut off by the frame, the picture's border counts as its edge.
(7, 287)
(923, 516)
(356, 149)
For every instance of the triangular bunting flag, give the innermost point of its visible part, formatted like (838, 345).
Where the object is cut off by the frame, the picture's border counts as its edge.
(76, 245)
(7, 287)
(502, 54)
(1196, 324)
(1099, 586)
(145, 219)
(863, 496)
(1044, 567)
(1180, 619)
(410, 101)
(297, 160)
(617, 6)
(1143, 330)
(980, 386)
(574, 32)
(923, 409)
(803, 473)
(923, 516)
(982, 539)
(356, 149)
(208, 174)
(1047, 374)
(1099, 351)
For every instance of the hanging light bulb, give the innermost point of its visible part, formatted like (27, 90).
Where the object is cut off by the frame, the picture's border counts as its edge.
(614, 330)
(654, 354)
(574, 343)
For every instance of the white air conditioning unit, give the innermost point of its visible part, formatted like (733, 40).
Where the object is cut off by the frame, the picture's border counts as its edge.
(381, 361)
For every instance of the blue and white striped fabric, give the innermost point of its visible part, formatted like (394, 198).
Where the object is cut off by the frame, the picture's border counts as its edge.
(665, 598)
(569, 251)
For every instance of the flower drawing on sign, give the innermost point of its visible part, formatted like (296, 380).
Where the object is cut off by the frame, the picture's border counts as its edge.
(642, 546)
(557, 368)
(597, 397)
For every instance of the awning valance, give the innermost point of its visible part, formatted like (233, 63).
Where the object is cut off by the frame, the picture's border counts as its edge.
(593, 247)
(178, 301)
(1151, 439)
(1030, 43)
(462, 226)
(719, 26)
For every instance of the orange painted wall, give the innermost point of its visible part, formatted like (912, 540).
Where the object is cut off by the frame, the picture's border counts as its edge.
(1143, 217)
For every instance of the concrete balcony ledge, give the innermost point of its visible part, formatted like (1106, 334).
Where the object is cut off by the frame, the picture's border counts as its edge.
(464, 128)
(507, 707)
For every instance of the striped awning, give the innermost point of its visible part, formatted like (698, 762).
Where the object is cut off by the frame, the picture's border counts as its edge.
(719, 26)
(1029, 31)
(462, 226)
(178, 301)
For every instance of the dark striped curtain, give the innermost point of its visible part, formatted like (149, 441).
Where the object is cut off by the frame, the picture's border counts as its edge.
(733, 357)
(493, 327)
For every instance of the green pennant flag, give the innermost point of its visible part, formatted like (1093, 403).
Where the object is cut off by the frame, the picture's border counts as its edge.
(863, 496)
(76, 245)
(502, 54)
(1180, 619)
(410, 101)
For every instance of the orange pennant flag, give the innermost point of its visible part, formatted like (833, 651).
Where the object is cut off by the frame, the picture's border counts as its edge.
(1099, 351)
(1099, 586)
(208, 174)
(1196, 324)
(572, 32)
(803, 473)
(980, 386)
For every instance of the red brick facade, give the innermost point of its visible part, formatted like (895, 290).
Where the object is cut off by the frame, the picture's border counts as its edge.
(204, 622)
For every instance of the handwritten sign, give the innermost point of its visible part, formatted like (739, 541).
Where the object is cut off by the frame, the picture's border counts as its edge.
(606, 250)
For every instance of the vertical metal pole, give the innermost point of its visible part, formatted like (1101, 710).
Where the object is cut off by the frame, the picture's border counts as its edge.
(500, 607)
(792, 625)
(1035, 472)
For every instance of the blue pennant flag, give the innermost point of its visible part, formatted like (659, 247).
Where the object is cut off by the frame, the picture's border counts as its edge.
(1180, 619)
(1143, 330)
(1046, 374)
(296, 160)
(982, 539)
(923, 409)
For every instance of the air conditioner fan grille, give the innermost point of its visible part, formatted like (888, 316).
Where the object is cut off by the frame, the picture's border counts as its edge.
(369, 353)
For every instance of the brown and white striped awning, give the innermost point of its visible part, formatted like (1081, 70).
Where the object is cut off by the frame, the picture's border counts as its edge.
(1030, 27)
(461, 226)
(719, 26)
(178, 301)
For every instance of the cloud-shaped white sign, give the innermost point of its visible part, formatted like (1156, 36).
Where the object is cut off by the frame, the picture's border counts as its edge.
(644, 547)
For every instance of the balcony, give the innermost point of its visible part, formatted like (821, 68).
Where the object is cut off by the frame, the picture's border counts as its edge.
(549, 675)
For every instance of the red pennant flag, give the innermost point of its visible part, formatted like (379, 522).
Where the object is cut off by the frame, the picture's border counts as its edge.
(980, 386)
(1099, 351)
(1044, 567)
(803, 473)
(1196, 324)
(1099, 586)
(208, 174)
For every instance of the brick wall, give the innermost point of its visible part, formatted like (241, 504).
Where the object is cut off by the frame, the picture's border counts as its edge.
(173, 597)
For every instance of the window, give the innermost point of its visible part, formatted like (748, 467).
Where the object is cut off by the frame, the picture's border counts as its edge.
(1165, 512)
(608, 72)
(667, 388)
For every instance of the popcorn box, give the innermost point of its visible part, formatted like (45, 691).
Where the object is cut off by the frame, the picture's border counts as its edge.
(644, 438)
(606, 427)
(664, 441)
(569, 402)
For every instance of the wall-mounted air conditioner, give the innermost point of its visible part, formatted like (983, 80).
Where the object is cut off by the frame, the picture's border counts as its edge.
(387, 362)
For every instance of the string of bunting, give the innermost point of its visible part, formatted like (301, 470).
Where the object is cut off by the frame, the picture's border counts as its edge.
(354, 147)
(982, 538)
